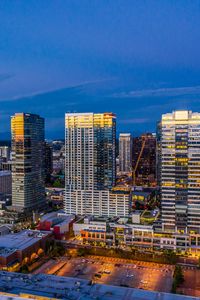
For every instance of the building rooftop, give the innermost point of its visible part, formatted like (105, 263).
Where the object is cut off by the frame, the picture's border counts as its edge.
(6, 226)
(66, 220)
(58, 217)
(49, 217)
(75, 288)
(8, 296)
(18, 241)
(125, 134)
(141, 193)
(5, 173)
(95, 219)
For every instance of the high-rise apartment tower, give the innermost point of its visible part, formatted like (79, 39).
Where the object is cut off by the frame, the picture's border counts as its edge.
(125, 153)
(180, 171)
(28, 190)
(90, 151)
(90, 168)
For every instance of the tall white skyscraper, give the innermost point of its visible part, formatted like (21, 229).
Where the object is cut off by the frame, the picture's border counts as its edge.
(90, 151)
(125, 153)
(180, 171)
(90, 170)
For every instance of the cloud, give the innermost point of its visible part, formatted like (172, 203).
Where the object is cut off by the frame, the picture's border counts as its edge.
(80, 86)
(177, 91)
(134, 121)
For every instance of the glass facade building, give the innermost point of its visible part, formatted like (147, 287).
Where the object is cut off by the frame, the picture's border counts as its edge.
(28, 189)
(125, 153)
(144, 160)
(180, 171)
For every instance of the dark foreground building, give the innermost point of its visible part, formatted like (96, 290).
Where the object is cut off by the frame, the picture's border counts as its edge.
(144, 160)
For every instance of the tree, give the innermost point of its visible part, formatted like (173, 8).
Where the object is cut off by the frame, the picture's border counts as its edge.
(199, 263)
(170, 256)
(178, 278)
(178, 275)
(81, 251)
(24, 269)
(55, 249)
(57, 183)
(33, 226)
(174, 286)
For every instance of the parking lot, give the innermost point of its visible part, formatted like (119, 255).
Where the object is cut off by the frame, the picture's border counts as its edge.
(191, 285)
(114, 271)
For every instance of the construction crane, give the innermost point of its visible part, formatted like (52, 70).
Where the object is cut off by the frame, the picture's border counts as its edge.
(138, 160)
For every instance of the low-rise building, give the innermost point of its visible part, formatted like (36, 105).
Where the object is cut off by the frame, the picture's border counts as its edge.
(58, 223)
(141, 197)
(129, 232)
(44, 286)
(20, 248)
(90, 223)
(5, 229)
(55, 197)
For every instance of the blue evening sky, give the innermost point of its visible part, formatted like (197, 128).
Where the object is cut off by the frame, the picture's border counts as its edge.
(136, 58)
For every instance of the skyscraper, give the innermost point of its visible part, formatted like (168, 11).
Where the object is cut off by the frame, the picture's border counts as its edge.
(90, 151)
(144, 160)
(28, 190)
(90, 170)
(180, 171)
(125, 153)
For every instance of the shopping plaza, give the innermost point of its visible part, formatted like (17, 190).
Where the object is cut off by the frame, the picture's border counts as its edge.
(129, 232)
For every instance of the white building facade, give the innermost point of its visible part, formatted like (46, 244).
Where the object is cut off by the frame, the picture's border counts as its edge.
(90, 168)
(125, 153)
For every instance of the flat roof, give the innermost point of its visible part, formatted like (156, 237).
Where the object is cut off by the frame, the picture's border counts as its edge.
(141, 193)
(76, 288)
(65, 219)
(9, 243)
(95, 219)
(58, 216)
(49, 217)
(5, 173)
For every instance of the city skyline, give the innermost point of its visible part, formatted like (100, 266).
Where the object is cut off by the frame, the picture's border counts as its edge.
(5, 137)
(99, 149)
(135, 59)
